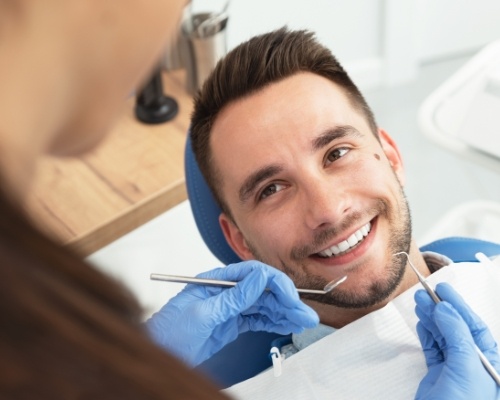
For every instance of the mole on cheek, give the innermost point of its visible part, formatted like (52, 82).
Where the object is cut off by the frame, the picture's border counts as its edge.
(377, 156)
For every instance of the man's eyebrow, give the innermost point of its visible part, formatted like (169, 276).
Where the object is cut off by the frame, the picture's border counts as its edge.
(266, 172)
(332, 134)
(254, 179)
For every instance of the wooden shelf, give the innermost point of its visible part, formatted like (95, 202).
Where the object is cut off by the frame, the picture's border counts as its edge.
(136, 174)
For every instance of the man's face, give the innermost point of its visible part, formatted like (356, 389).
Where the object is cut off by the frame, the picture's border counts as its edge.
(311, 190)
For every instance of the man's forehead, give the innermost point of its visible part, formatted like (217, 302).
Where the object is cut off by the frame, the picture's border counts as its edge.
(294, 103)
(299, 108)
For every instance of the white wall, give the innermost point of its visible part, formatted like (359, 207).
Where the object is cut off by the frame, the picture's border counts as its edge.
(380, 42)
(449, 27)
(351, 29)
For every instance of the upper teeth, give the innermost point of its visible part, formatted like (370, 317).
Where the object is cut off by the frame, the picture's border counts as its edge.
(351, 241)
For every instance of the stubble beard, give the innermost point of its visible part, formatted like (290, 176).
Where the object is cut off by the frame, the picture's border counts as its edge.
(377, 291)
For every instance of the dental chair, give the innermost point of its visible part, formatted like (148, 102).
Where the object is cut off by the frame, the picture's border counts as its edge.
(248, 355)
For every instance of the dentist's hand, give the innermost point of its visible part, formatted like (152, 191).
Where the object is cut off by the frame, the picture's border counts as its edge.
(447, 332)
(200, 320)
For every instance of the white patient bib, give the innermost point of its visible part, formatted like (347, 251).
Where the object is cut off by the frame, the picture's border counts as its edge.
(378, 356)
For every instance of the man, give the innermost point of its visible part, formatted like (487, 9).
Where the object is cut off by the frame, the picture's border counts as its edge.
(309, 185)
(306, 180)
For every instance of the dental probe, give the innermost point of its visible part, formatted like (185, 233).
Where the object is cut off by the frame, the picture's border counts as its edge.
(492, 371)
(214, 282)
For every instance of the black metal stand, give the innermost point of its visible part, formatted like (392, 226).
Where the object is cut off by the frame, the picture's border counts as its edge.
(152, 105)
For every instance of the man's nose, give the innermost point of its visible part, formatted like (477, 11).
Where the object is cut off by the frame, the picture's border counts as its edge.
(324, 202)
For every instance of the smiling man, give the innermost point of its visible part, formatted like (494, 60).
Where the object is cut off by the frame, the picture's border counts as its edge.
(306, 180)
(311, 186)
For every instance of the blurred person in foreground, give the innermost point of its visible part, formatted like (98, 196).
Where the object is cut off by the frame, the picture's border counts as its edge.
(66, 330)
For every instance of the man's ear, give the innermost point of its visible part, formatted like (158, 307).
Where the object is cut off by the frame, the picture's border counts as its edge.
(393, 155)
(234, 237)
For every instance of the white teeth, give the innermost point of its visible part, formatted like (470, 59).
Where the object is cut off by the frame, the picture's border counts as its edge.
(343, 246)
(351, 241)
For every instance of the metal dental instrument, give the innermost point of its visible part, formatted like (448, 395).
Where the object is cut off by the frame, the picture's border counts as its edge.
(487, 365)
(214, 282)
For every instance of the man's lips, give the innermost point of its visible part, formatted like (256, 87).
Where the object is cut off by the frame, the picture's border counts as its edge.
(345, 245)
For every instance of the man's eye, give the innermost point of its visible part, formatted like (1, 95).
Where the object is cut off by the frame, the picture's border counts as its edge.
(337, 153)
(270, 190)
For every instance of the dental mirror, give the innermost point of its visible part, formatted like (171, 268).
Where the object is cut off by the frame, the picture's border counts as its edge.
(214, 282)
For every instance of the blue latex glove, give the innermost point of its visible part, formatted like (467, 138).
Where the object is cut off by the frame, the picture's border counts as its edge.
(201, 320)
(447, 332)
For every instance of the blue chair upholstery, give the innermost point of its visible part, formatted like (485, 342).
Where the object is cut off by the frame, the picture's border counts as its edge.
(242, 359)
(248, 354)
(462, 249)
(205, 209)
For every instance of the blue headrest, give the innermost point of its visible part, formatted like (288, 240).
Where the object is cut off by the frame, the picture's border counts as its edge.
(462, 249)
(205, 209)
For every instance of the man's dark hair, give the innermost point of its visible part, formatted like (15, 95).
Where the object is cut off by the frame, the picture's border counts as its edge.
(250, 67)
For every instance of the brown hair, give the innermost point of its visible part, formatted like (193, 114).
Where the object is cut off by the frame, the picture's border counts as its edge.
(253, 65)
(69, 332)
